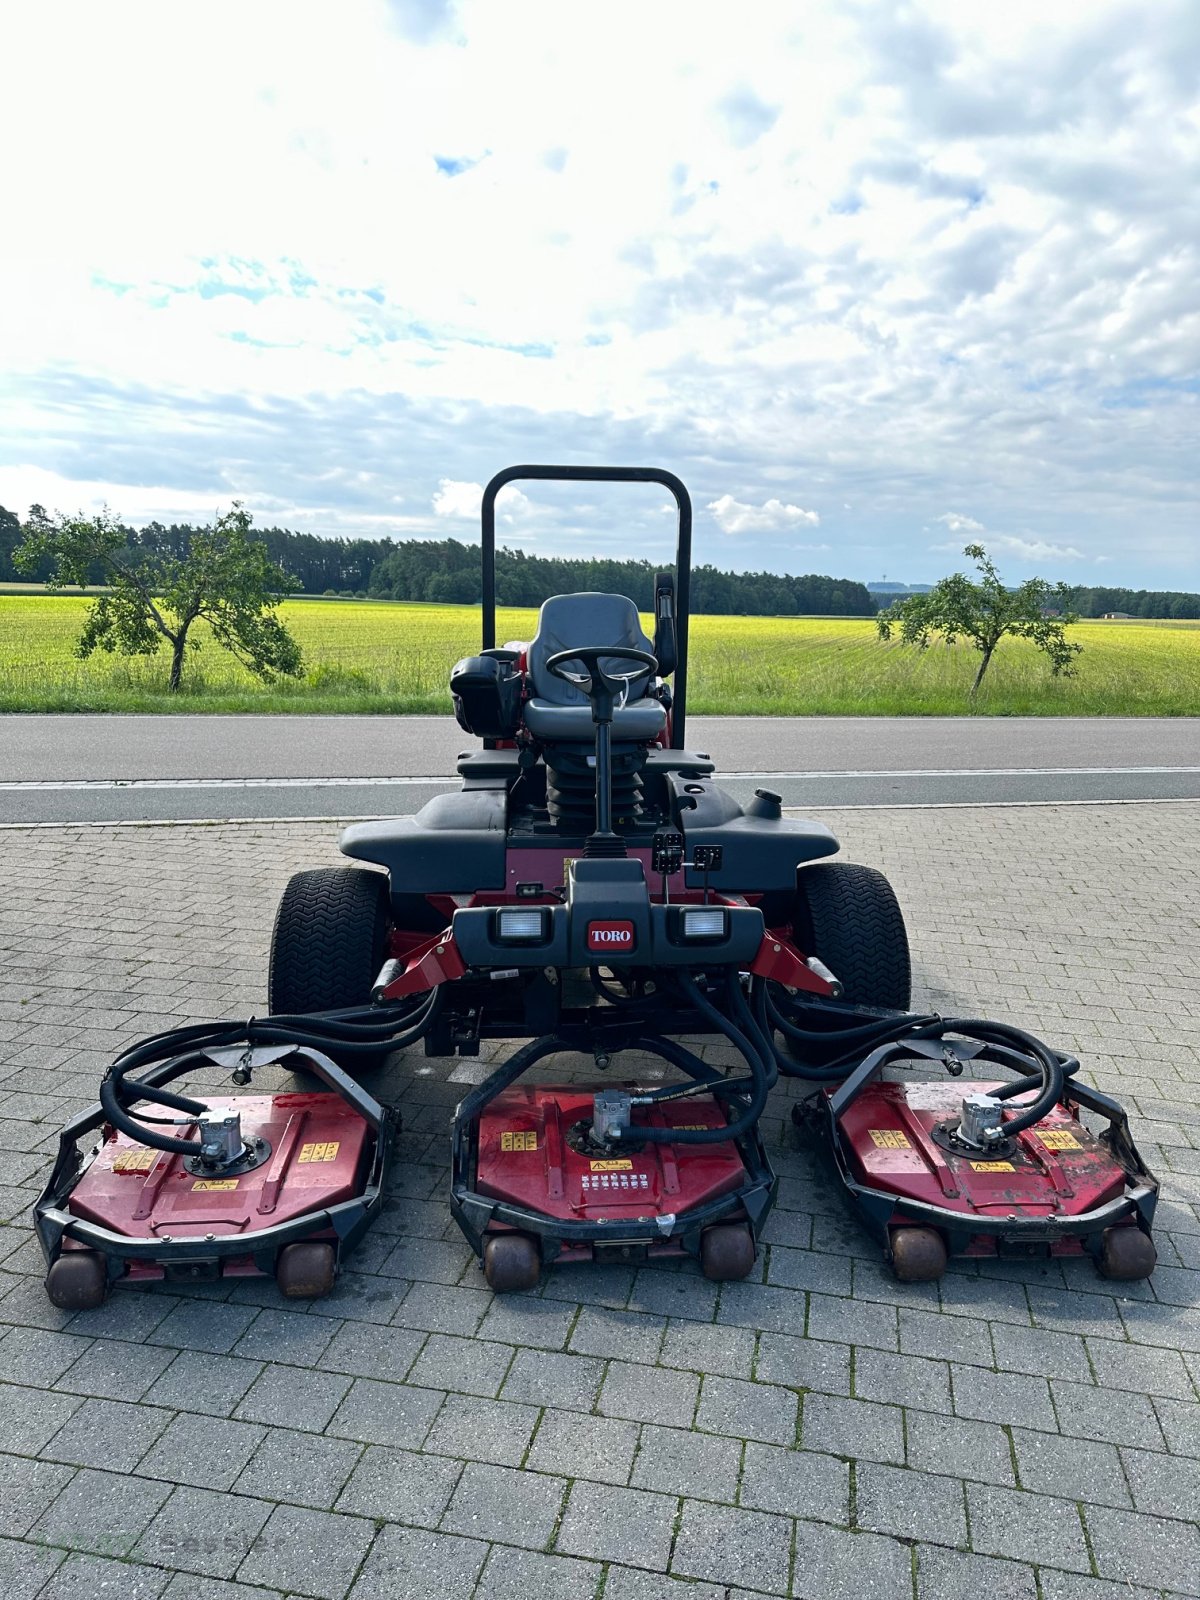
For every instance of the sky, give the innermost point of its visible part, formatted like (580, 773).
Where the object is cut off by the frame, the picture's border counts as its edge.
(876, 280)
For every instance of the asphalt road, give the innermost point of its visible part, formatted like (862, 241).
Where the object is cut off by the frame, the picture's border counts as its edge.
(114, 768)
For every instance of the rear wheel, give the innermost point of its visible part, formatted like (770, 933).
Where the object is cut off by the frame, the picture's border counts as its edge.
(918, 1254)
(1127, 1253)
(511, 1263)
(306, 1270)
(327, 946)
(727, 1252)
(848, 916)
(78, 1280)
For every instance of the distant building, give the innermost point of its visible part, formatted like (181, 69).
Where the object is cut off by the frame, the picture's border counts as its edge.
(1117, 616)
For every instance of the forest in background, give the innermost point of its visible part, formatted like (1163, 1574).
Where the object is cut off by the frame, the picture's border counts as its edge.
(446, 571)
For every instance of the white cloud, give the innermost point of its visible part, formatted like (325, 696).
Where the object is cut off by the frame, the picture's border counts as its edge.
(1035, 549)
(735, 516)
(957, 523)
(893, 258)
(457, 499)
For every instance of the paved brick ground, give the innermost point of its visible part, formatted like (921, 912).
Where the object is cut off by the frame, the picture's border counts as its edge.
(1024, 1430)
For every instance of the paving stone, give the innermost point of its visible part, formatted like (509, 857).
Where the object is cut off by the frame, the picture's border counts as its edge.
(803, 1363)
(951, 1575)
(371, 1352)
(756, 1305)
(523, 1320)
(923, 1333)
(677, 1461)
(203, 1325)
(808, 1269)
(1088, 1413)
(549, 1378)
(196, 1380)
(400, 1486)
(26, 1489)
(855, 1428)
(599, 1448)
(101, 1512)
(1073, 1586)
(632, 1583)
(611, 1524)
(1076, 1312)
(1180, 1423)
(108, 1434)
(858, 1322)
(37, 1357)
(725, 1544)
(470, 1366)
(206, 1451)
(623, 1335)
(674, 1294)
(361, 1297)
(288, 1397)
(303, 1469)
(901, 1380)
(439, 1308)
(910, 1504)
(428, 1260)
(589, 1284)
(519, 1508)
(91, 1577)
(649, 1394)
(386, 1413)
(1027, 1527)
(111, 1369)
(33, 1416)
(985, 1299)
(795, 1482)
(1168, 1486)
(979, 1450)
(308, 1552)
(1040, 1350)
(1016, 1398)
(1133, 1548)
(1139, 1368)
(199, 1530)
(1077, 1469)
(287, 1336)
(187, 1586)
(699, 1347)
(747, 1410)
(520, 1574)
(832, 1563)
(482, 1430)
(414, 1564)
(25, 1568)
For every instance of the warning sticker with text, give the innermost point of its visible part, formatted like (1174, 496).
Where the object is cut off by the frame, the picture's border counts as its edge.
(1058, 1139)
(326, 1151)
(610, 1166)
(992, 1166)
(215, 1183)
(134, 1160)
(519, 1139)
(889, 1139)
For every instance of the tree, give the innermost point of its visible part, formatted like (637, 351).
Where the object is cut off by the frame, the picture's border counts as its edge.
(217, 574)
(985, 612)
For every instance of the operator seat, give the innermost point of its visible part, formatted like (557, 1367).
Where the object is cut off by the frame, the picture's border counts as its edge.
(558, 712)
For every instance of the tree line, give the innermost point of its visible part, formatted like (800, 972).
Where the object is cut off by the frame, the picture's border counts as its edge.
(447, 571)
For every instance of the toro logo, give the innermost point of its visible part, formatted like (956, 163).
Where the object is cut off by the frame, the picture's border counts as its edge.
(610, 937)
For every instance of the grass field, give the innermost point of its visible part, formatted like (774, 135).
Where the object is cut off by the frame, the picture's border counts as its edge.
(391, 657)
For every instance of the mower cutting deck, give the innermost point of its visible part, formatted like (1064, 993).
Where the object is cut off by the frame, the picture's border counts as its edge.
(590, 890)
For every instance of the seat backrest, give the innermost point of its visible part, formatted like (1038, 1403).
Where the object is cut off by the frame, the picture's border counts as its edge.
(584, 619)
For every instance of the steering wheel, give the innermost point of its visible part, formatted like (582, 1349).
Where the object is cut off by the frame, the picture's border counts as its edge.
(600, 686)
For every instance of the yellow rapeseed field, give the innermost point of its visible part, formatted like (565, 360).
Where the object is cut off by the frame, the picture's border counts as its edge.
(394, 657)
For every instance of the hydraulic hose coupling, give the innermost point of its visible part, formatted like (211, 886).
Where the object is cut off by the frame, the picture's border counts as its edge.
(612, 1112)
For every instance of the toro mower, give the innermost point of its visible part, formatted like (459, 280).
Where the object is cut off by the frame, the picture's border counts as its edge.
(590, 890)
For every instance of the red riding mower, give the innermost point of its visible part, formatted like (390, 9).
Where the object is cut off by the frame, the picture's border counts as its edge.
(591, 890)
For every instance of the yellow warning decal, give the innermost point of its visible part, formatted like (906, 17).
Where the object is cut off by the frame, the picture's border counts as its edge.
(134, 1160)
(1059, 1139)
(992, 1166)
(214, 1183)
(326, 1151)
(889, 1139)
(519, 1139)
(611, 1166)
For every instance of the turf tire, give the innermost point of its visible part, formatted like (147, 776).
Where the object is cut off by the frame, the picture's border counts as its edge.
(848, 915)
(328, 942)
